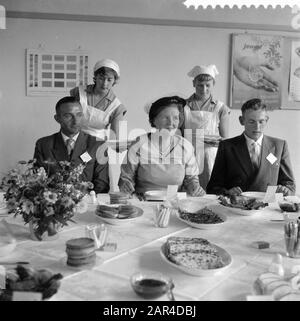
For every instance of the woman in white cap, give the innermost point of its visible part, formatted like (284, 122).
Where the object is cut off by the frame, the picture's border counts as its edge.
(207, 119)
(100, 105)
(161, 158)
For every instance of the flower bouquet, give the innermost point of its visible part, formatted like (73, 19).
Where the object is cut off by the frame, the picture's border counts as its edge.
(45, 202)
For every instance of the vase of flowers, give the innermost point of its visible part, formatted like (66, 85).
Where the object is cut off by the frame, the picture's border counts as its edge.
(46, 202)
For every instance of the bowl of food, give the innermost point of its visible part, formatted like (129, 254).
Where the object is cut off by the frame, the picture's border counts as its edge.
(151, 285)
(205, 218)
(289, 206)
(27, 279)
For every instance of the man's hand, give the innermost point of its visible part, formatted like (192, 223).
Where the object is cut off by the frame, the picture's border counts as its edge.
(234, 191)
(283, 189)
(249, 71)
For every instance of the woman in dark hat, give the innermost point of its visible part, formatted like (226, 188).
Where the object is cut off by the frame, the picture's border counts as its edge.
(156, 160)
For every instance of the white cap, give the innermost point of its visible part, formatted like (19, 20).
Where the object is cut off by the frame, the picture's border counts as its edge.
(107, 63)
(208, 70)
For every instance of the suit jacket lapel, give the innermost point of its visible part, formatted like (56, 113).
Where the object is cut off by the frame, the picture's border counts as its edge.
(267, 148)
(59, 149)
(80, 147)
(242, 154)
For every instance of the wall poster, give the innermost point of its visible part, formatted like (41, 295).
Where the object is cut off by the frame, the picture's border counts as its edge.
(294, 81)
(257, 69)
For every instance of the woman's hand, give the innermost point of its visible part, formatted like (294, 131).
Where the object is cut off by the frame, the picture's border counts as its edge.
(283, 189)
(126, 187)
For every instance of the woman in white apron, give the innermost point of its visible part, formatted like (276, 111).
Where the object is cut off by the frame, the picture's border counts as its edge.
(162, 158)
(206, 120)
(102, 110)
(104, 113)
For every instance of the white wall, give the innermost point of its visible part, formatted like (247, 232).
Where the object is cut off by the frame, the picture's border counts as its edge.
(174, 10)
(154, 61)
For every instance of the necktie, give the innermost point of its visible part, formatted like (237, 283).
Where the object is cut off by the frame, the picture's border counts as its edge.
(255, 155)
(70, 143)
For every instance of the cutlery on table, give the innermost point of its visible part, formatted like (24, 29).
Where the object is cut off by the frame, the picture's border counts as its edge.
(14, 263)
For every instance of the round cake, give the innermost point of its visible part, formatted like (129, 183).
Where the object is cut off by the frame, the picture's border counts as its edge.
(81, 252)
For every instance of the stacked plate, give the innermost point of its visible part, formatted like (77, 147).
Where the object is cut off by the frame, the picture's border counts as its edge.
(117, 215)
(118, 198)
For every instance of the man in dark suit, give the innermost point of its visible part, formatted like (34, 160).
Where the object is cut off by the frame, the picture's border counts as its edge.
(252, 161)
(70, 144)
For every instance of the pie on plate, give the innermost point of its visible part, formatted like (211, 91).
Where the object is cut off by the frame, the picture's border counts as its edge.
(195, 256)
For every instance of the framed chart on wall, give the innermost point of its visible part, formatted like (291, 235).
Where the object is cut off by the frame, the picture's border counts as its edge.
(265, 67)
(53, 73)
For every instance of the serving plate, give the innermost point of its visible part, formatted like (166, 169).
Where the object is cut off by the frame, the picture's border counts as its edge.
(121, 221)
(212, 197)
(205, 226)
(227, 259)
(257, 195)
(155, 195)
(193, 205)
(240, 211)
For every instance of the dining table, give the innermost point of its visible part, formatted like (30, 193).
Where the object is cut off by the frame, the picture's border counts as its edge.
(137, 248)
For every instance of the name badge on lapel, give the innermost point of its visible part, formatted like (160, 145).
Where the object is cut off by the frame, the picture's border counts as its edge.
(85, 157)
(271, 158)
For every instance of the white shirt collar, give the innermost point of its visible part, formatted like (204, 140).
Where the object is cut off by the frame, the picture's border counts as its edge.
(250, 141)
(65, 137)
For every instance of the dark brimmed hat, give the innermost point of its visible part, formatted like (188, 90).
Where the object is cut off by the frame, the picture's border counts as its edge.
(162, 103)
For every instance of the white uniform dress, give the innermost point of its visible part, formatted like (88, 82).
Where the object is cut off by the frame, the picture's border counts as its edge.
(96, 121)
(206, 119)
(150, 165)
(97, 117)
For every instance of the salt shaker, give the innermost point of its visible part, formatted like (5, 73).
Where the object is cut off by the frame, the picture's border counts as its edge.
(93, 197)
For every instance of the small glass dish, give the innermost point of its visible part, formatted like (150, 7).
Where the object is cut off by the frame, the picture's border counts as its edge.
(287, 206)
(151, 285)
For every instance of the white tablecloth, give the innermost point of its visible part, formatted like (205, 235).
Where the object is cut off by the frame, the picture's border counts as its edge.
(138, 250)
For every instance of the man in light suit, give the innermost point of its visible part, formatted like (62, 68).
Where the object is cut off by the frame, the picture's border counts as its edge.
(73, 145)
(252, 161)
